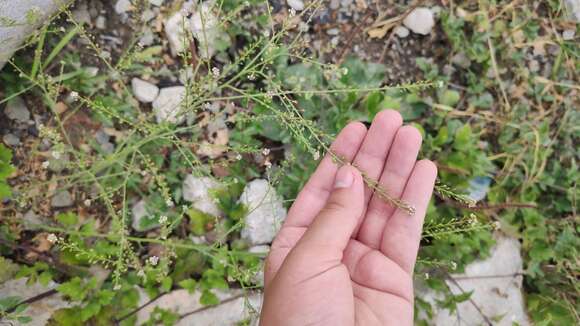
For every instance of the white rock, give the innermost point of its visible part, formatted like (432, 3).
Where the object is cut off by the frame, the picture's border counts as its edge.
(420, 21)
(144, 91)
(181, 302)
(41, 310)
(122, 6)
(16, 110)
(157, 3)
(266, 212)
(139, 212)
(573, 9)
(176, 28)
(206, 29)
(101, 22)
(26, 15)
(568, 34)
(401, 31)
(260, 249)
(196, 190)
(496, 291)
(167, 105)
(297, 5)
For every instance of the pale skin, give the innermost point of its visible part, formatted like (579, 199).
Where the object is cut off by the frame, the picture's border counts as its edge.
(344, 256)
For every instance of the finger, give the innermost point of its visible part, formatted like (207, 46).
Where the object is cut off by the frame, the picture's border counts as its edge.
(400, 162)
(370, 268)
(317, 190)
(372, 154)
(402, 233)
(330, 231)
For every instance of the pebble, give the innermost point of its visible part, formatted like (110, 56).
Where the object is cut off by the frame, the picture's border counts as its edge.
(175, 28)
(31, 220)
(16, 110)
(196, 190)
(11, 140)
(333, 31)
(139, 212)
(62, 199)
(144, 91)
(157, 3)
(568, 34)
(534, 66)
(167, 105)
(420, 21)
(101, 22)
(266, 212)
(206, 29)
(297, 5)
(122, 6)
(401, 31)
(334, 4)
(460, 59)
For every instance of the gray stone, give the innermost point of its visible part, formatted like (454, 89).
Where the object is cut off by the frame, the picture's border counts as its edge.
(167, 105)
(574, 9)
(123, 6)
(139, 212)
(496, 283)
(22, 17)
(401, 31)
(81, 14)
(334, 4)
(11, 140)
(568, 34)
(31, 220)
(266, 212)
(297, 5)
(16, 110)
(196, 190)
(62, 199)
(176, 29)
(235, 307)
(205, 27)
(420, 21)
(460, 59)
(41, 310)
(144, 91)
(101, 22)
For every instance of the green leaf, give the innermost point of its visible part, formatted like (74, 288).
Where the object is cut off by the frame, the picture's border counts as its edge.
(463, 138)
(68, 219)
(208, 298)
(189, 285)
(449, 97)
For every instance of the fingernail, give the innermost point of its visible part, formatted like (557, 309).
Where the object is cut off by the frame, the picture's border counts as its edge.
(344, 178)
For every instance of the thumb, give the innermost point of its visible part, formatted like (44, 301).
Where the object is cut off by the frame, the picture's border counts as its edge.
(334, 225)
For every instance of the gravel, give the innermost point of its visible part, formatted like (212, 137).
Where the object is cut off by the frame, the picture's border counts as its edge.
(297, 5)
(420, 21)
(16, 110)
(144, 91)
(196, 190)
(62, 199)
(266, 212)
(167, 105)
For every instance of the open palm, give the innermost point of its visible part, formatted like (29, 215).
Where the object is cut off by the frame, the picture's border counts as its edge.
(343, 255)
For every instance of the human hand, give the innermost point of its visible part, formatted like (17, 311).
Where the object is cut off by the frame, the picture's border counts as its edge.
(344, 256)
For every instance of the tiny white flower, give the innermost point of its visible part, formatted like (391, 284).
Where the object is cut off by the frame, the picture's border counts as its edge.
(163, 219)
(453, 265)
(496, 225)
(117, 287)
(316, 155)
(56, 154)
(252, 77)
(427, 276)
(45, 164)
(141, 273)
(239, 157)
(215, 72)
(268, 164)
(169, 203)
(87, 202)
(74, 95)
(52, 238)
(153, 260)
(292, 12)
(265, 151)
